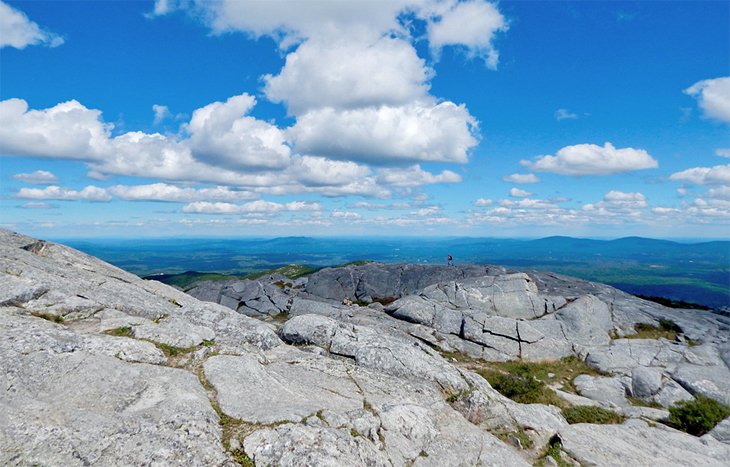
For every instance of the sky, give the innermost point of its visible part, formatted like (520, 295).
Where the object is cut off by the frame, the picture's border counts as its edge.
(240, 118)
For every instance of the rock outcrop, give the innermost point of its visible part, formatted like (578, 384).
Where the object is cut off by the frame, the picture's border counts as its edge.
(101, 367)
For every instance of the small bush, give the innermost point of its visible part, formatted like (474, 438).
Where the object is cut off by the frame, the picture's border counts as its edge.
(591, 414)
(698, 416)
(518, 387)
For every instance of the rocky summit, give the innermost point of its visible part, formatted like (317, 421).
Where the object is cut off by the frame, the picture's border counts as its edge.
(372, 365)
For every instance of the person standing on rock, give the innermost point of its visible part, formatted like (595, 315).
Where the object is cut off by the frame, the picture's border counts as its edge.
(449, 259)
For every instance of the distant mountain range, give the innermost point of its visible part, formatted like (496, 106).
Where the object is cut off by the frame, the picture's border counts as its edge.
(692, 272)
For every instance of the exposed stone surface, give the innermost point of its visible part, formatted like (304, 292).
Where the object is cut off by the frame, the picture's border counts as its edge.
(65, 402)
(343, 384)
(250, 297)
(632, 445)
(286, 389)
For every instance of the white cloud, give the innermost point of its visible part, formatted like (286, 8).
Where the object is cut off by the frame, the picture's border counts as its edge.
(67, 130)
(380, 206)
(161, 113)
(472, 24)
(221, 133)
(521, 178)
(319, 171)
(721, 192)
(620, 198)
(443, 132)
(427, 211)
(565, 114)
(17, 31)
(618, 204)
(259, 206)
(346, 75)
(483, 202)
(172, 193)
(719, 174)
(38, 205)
(517, 193)
(345, 214)
(590, 159)
(39, 177)
(415, 176)
(723, 152)
(90, 193)
(713, 96)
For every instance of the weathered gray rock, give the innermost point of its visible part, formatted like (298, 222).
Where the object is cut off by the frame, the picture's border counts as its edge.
(721, 432)
(64, 405)
(398, 356)
(288, 389)
(710, 381)
(631, 445)
(610, 391)
(671, 393)
(297, 445)
(365, 387)
(645, 382)
(259, 297)
(377, 281)
(174, 331)
(587, 320)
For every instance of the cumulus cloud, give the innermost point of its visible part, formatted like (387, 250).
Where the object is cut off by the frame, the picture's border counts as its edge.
(222, 134)
(723, 152)
(90, 193)
(713, 96)
(39, 177)
(471, 24)
(259, 206)
(517, 193)
(415, 176)
(565, 114)
(590, 159)
(483, 202)
(721, 192)
(420, 131)
(67, 130)
(345, 214)
(161, 113)
(173, 193)
(618, 204)
(719, 174)
(17, 31)
(521, 178)
(426, 211)
(346, 75)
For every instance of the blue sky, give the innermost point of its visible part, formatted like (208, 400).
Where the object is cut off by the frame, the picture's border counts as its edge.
(406, 117)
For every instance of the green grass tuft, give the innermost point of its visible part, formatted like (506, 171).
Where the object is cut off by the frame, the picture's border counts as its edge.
(666, 330)
(591, 414)
(124, 331)
(49, 317)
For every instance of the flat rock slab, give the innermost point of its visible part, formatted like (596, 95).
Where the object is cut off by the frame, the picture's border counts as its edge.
(61, 405)
(633, 445)
(299, 445)
(286, 390)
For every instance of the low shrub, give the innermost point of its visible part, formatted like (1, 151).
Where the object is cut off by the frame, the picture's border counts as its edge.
(698, 416)
(591, 414)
